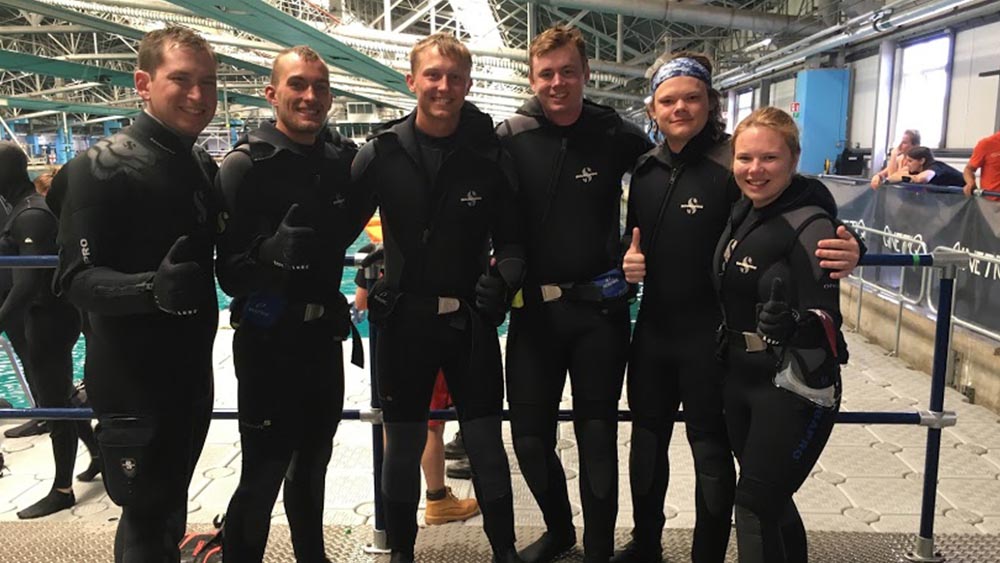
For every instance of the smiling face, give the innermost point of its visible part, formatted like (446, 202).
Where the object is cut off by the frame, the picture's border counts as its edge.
(300, 94)
(763, 164)
(680, 108)
(913, 165)
(557, 79)
(181, 91)
(441, 84)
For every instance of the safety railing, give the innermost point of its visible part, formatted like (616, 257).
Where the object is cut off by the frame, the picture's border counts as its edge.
(928, 188)
(916, 245)
(934, 418)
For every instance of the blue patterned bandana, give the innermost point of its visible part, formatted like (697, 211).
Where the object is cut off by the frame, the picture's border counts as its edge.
(680, 67)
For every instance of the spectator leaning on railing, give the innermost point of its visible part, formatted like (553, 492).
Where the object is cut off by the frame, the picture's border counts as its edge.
(986, 159)
(919, 167)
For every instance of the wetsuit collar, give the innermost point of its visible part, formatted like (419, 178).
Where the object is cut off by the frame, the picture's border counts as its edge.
(475, 130)
(162, 136)
(800, 192)
(594, 116)
(270, 134)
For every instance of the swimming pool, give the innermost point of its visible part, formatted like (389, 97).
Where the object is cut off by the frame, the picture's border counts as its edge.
(10, 387)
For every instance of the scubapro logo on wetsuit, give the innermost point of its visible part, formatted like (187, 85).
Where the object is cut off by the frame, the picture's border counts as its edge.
(85, 250)
(338, 200)
(746, 265)
(471, 198)
(128, 467)
(586, 175)
(692, 206)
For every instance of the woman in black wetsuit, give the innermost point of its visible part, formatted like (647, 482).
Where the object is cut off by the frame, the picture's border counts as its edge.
(781, 323)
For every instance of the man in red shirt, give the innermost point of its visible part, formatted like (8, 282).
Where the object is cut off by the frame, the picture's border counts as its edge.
(986, 159)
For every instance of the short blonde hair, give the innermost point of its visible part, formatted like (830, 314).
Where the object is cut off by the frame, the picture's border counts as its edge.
(155, 42)
(776, 120)
(446, 44)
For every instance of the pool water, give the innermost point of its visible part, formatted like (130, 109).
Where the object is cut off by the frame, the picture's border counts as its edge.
(10, 387)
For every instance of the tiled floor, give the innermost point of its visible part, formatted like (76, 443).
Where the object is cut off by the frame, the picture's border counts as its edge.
(868, 479)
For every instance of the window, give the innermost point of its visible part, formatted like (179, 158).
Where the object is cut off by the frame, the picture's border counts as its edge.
(922, 90)
(744, 106)
(355, 108)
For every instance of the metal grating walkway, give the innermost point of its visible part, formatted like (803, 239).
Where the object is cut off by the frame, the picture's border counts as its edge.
(76, 542)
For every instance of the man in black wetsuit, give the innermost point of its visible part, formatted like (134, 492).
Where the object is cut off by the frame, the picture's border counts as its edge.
(679, 201)
(136, 236)
(291, 218)
(50, 324)
(445, 195)
(570, 155)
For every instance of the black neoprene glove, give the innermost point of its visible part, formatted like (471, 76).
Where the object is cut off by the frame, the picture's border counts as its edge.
(491, 299)
(292, 245)
(776, 321)
(179, 283)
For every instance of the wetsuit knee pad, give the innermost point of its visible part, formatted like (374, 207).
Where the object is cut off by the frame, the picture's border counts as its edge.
(484, 445)
(598, 448)
(716, 474)
(532, 457)
(644, 450)
(749, 536)
(763, 499)
(129, 478)
(404, 447)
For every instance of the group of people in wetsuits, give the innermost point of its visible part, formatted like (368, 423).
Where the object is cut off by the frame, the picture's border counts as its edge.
(477, 221)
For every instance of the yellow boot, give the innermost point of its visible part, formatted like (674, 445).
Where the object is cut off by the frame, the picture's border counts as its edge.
(450, 509)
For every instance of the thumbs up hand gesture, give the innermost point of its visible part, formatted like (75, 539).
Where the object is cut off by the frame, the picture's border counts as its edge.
(776, 321)
(291, 247)
(179, 283)
(634, 263)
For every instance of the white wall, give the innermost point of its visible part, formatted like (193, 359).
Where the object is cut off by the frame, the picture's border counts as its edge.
(861, 129)
(783, 94)
(973, 107)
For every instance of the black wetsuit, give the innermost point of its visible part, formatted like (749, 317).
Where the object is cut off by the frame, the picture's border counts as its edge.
(570, 185)
(680, 202)
(125, 203)
(289, 329)
(777, 436)
(51, 325)
(438, 225)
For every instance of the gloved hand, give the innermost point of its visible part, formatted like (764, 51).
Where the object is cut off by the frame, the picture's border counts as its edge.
(374, 257)
(776, 321)
(179, 282)
(491, 299)
(292, 245)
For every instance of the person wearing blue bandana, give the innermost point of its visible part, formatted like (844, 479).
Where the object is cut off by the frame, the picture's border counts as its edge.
(679, 202)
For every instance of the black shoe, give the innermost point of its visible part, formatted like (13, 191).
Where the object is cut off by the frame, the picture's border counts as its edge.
(459, 469)
(53, 502)
(401, 557)
(636, 552)
(548, 547)
(508, 555)
(455, 449)
(30, 428)
(91, 472)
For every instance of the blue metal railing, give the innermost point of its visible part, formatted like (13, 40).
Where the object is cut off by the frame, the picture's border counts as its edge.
(935, 418)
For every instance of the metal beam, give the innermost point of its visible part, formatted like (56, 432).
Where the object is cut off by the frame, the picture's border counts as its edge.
(67, 107)
(34, 64)
(265, 21)
(683, 12)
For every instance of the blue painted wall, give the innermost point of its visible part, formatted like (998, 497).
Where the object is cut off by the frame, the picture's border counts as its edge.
(822, 95)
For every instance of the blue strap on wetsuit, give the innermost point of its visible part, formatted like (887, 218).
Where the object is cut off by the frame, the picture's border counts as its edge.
(612, 284)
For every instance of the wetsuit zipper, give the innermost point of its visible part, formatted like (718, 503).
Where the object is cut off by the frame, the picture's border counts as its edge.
(675, 173)
(554, 179)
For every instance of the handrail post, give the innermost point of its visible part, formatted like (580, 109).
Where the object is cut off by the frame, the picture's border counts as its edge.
(380, 543)
(924, 545)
